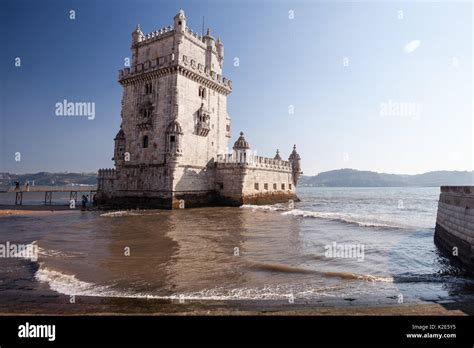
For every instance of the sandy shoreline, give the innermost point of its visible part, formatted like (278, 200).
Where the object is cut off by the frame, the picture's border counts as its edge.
(44, 301)
(134, 307)
(28, 210)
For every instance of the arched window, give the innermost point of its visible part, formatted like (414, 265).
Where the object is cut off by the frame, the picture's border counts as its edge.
(202, 92)
(148, 88)
(145, 142)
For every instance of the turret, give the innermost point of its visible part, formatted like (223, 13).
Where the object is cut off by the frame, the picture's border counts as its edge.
(277, 156)
(220, 51)
(137, 35)
(220, 48)
(119, 149)
(180, 22)
(241, 149)
(173, 138)
(210, 48)
(295, 161)
(209, 40)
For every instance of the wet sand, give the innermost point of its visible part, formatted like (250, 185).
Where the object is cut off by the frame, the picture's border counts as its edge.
(54, 304)
(38, 299)
(28, 210)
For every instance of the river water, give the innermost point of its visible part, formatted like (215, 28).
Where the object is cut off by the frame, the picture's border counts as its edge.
(370, 245)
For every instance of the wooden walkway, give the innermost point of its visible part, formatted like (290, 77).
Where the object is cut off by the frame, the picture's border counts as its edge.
(48, 194)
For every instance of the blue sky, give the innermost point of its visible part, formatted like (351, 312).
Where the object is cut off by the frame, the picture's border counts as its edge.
(338, 64)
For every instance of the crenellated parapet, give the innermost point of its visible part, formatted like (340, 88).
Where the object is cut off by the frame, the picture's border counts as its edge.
(105, 180)
(108, 173)
(252, 161)
(185, 66)
(192, 34)
(145, 39)
(267, 162)
(168, 31)
(467, 191)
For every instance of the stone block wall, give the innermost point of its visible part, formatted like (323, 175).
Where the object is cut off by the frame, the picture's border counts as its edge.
(454, 232)
(255, 183)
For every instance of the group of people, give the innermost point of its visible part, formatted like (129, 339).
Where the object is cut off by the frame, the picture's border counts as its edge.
(85, 200)
(17, 186)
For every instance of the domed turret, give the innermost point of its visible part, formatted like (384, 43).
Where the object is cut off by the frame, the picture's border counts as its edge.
(241, 149)
(295, 160)
(174, 127)
(277, 156)
(209, 40)
(220, 47)
(137, 35)
(241, 143)
(180, 21)
(120, 134)
(173, 138)
(119, 149)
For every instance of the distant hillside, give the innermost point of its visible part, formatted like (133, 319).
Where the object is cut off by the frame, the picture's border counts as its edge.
(333, 178)
(48, 179)
(356, 178)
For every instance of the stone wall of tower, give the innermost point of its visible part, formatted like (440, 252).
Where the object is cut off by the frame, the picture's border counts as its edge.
(195, 171)
(262, 181)
(455, 224)
(134, 123)
(201, 149)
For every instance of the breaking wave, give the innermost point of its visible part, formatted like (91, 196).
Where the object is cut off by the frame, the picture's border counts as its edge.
(276, 267)
(70, 285)
(122, 213)
(341, 217)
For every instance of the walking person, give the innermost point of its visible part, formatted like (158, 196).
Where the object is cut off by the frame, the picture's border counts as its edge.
(84, 202)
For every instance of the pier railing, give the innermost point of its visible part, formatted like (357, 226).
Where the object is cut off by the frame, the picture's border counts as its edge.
(48, 194)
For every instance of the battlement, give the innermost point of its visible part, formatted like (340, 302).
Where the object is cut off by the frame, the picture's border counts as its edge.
(108, 173)
(252, 161)
(195, 35)
(188, 63)
(157, 35)
(458, 190)
(165, 32)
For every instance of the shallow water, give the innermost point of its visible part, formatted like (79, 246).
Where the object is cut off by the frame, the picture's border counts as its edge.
(250, 253)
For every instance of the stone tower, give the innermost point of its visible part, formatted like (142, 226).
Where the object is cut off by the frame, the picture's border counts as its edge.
(174, 112)
(172, 146)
